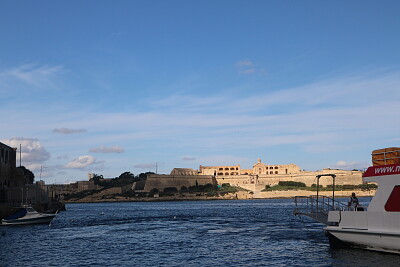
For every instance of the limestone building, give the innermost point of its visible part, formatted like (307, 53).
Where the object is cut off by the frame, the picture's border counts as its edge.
(259, 168)
(260, 175)
(263, 169)
(184, 171)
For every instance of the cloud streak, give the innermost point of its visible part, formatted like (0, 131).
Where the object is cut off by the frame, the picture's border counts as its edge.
(145, 166)
(31, 74)
(189, 158)
(104, 149)
(68, 131)
(245, 67)
(343, 165)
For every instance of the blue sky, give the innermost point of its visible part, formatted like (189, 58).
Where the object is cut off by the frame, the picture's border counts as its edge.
(115, 86)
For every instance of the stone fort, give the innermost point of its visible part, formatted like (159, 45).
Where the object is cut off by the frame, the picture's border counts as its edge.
(253, 179)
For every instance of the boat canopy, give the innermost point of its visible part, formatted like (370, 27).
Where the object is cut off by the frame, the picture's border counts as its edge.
(20, 213)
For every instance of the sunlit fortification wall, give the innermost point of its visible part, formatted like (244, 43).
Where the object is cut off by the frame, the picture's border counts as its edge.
(342, 177)
(261, 174)
(161, 181)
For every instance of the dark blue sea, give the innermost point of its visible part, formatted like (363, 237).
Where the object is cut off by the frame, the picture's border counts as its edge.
(192, 233)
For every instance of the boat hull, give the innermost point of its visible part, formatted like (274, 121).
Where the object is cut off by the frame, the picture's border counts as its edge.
(26, 221)
(378, 241)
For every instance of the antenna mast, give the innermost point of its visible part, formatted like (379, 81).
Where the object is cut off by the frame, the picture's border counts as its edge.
(20, 155)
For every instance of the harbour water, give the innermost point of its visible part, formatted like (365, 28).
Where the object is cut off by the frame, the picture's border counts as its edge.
(192, 233)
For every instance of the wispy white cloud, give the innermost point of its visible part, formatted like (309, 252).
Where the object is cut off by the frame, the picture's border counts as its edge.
(30, 74)
(105, 149)
(188, 158)
(245, 66)
(224, 160)
(343, 165)
(145, 166)
(244, 63)
(81, 162)
(69, 131)
(248, 71)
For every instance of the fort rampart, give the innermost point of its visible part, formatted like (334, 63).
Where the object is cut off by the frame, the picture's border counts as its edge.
(162, 181)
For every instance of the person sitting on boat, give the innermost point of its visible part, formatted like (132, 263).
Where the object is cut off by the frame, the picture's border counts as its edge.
(353, 202)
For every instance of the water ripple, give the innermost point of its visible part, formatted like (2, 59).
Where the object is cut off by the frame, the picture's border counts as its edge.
(209, 233)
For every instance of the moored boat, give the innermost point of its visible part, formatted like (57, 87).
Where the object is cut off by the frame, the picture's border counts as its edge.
(376, 227)
(27, 215)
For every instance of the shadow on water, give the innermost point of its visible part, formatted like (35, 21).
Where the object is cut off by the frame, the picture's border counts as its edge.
(361, 257)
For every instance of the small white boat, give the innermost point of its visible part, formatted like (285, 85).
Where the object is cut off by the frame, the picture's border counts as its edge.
(376, 227)
(27, 215)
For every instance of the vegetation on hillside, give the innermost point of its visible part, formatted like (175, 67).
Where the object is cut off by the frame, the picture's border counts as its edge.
(124, 179)
(199, 190)
(291, 185)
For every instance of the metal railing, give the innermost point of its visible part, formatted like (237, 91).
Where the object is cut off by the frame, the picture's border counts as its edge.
(317, 207)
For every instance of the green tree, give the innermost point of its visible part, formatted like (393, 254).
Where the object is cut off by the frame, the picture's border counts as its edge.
(127, 175)
(29, 176)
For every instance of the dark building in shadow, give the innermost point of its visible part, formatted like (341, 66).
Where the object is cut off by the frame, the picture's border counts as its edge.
(17, 187)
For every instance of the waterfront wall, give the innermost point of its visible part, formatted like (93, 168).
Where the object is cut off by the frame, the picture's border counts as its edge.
(162, 181)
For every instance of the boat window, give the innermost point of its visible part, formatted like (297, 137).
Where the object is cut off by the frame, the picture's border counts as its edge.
(30, 209)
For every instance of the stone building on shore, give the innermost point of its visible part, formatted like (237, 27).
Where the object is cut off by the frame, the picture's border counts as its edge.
(256, 178)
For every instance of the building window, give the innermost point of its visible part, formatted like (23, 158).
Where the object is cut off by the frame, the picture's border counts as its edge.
(276, 172)
(232, 169)
(271, 172)
(220, 173)
(237, 168)
(271, 168)
(221, 169)
(276, 167)
(226, 169)
(227, 173)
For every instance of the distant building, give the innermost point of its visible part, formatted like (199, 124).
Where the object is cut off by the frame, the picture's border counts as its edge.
(184, 171)
(87, 185)
(258, 169)
(261, 174)
(220, 170)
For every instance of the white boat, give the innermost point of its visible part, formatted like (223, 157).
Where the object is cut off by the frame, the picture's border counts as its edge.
(27, 215)
(376, 227)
